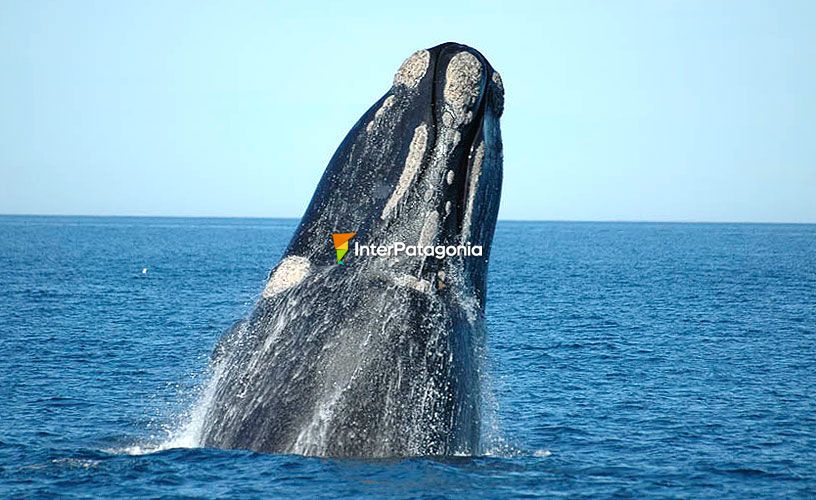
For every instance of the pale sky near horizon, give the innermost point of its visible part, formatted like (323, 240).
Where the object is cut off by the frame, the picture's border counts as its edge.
(652, 110)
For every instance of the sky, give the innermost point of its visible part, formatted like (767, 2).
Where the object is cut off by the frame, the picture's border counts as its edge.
(654, 110)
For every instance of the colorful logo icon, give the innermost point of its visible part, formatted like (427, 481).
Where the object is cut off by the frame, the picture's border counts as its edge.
(341, 244)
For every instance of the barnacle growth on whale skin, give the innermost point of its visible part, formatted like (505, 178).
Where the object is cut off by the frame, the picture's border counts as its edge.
(287, 274)
(416, 151)
(413, 69)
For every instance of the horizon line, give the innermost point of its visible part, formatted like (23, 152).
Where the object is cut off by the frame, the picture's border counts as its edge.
(630, 221)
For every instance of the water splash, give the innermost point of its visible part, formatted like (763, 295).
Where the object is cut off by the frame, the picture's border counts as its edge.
(184, 430)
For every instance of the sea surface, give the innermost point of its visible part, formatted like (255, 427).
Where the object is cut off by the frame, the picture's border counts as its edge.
(628, 359)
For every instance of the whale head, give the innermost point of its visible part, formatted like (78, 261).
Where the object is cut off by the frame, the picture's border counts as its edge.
(422, 166)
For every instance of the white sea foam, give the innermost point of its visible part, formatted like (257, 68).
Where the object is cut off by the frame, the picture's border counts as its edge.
(186, 431)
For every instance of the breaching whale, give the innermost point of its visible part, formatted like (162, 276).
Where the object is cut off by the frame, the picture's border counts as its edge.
(378, 356)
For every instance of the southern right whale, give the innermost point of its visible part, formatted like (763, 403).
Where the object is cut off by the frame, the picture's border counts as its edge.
(378, 356)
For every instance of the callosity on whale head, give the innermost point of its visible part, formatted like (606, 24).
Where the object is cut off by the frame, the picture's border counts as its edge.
(379, 356)
(424, 164)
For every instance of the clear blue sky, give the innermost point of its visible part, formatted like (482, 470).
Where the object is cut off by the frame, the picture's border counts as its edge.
(652, 110)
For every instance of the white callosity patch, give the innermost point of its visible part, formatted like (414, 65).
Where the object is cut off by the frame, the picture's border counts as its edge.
(417, 284)
(449, 177)
(413, 69)
(416, 151)
(440, 279)
(473, 185)
(497, 79)
(378, 115)
(498, 93)
(289, 273)
(462, 82)
(430, 229)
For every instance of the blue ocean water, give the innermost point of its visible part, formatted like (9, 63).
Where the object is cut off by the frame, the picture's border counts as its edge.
(628, 359)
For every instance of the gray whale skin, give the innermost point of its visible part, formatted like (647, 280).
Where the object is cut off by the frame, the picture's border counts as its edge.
(378, 356)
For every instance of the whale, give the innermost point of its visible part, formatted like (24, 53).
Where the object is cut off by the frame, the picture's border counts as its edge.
(379, 353)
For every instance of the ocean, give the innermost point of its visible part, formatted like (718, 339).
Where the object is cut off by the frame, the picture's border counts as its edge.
(626, 359)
